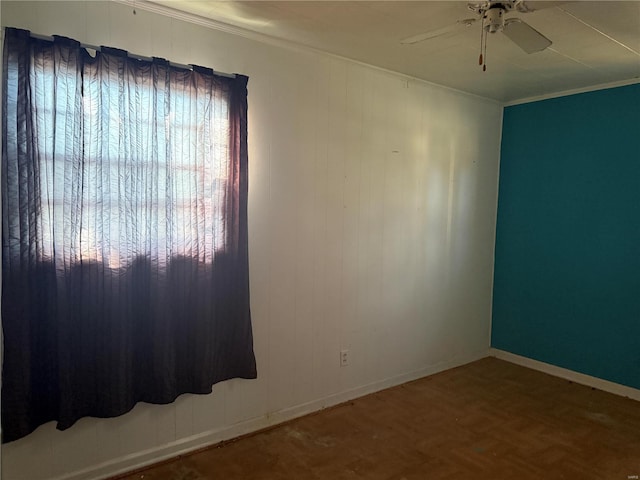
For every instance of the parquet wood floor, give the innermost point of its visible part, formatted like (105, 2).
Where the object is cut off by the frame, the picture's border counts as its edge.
(486, 420)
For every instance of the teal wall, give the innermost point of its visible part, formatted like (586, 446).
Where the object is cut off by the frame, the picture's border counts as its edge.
(567, 266)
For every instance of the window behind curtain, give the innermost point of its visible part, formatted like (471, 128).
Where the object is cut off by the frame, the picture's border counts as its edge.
(154, 166)
(125, 268)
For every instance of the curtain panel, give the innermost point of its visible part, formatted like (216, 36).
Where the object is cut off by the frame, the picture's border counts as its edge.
(124, 236)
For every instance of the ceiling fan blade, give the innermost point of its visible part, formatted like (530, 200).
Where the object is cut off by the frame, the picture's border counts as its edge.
(528, 6)
(421, 37)
(525, 36)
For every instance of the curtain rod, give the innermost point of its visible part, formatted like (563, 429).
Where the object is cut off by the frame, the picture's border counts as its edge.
(133, 55)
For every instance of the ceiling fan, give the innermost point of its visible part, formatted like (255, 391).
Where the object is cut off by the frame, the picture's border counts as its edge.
(491, 15)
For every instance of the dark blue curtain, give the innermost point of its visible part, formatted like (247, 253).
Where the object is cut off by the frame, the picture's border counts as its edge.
(124, 240)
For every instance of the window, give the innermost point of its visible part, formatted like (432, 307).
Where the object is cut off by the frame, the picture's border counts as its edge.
(125, 265)
(174, 146)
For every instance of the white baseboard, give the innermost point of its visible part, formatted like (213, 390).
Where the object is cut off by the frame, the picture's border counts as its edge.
(576, 377)
(158, 454)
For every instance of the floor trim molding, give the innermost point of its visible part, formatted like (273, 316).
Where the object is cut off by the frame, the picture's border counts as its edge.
(162, 453)
(567, 374)
(139, 460)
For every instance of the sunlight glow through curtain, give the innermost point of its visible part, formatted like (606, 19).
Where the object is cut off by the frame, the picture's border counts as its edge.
(125, 264)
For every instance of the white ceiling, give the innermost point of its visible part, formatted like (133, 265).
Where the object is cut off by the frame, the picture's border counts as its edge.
(594, 42)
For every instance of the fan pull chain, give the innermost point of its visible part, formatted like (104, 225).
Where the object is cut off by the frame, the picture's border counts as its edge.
(484, 65)
(481, 40)
(482, 60)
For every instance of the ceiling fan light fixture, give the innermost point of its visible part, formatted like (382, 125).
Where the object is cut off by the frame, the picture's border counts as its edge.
(494, 20)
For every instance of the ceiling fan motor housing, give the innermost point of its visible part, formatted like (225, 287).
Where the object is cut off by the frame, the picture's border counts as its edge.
(494, 19)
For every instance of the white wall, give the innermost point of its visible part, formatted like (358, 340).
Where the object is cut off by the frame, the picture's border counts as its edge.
(372, 205)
